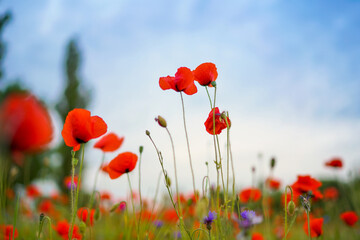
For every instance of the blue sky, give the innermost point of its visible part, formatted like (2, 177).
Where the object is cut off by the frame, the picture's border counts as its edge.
(288, 74)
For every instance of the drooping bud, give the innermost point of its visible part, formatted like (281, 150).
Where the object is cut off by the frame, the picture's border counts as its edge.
(141, 149)
(42, 215)
(82, 227)
(147, 132)
(161, 121)
(291, 208)
(213, 83)
(272, 162)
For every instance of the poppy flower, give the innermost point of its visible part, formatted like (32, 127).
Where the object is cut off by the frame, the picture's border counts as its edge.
(250, 194)
(83, 214)
(350, 218)
(334, 163)
(257, 236)
(316, 225)
(205, 74)
(104, 168)
(123, 163)
(170, 216)
(273, 184)
(6, 232)
(80, 127)
(25, 124)
(182, 82)
(46, 206)
(109, 143)
(220, 123)
(105, 195)
(68, 180)
(304, 184)
(331, 193)
(32, 191)
(63, 228)
(147, 215)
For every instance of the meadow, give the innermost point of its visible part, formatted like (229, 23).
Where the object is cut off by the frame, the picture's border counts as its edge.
(309, 208)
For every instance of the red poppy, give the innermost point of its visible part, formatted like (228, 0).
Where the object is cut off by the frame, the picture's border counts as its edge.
(80, 127)
(334, 163)
(32, 191)
(305, 184)
(63, 228)
(83, 214)
(6, 231)
(273, 183)
(331, 193)
(205, 74)
(123, 163)
(67, 181)
(250, 194)
(182, 82)
(220, 123)
(104, 168)
(350, 218)
(147, 215)
(170, 216)
(109, 143)
(257, 236)
(315, 227)
(25, 124)
(105, 196)
(46, 206)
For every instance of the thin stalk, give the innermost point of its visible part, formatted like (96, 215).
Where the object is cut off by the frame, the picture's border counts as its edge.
(16, 216)
(95, 181)
(308, 219)
(285, 209)
(77, 192)
(176, 179)
(188, 145)
(140, 191)
(133, 205)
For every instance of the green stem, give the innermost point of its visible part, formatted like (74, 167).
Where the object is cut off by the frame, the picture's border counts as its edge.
(77, 192)
(308, 219)
(133, 205)
(16, 216)
(187, 142)
(140, 192)
(285, 209)
(95, 181)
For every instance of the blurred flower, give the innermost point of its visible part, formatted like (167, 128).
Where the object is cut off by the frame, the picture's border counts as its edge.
(6, 232)
(331, 193)
(25, 124)
(273, 184)
(170, 216)
(46, 206)
(158, 223)
(250, 194)
(80, 127)
(220, 123)
(249, 218)
(316, 225)
(208, 220)
(83, 215)
(105, 195)
(306, 184)
(109, 143)
(182, 82)
(257, 236)
(350, 218)
(33, 191)
(63, 227)
(123, 163)
(68, 180)
(334, 163)
(205, 74)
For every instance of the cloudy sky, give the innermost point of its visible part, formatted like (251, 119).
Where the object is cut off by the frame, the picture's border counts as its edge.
(288, 75)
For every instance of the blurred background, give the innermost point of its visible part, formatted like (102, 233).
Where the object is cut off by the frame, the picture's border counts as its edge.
(288, 75)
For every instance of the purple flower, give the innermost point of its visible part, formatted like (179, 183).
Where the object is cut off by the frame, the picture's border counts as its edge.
(248, 219)
(158, 223)
(248, 214)
(209, 219)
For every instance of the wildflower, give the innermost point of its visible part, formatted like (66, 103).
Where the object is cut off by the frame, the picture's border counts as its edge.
(350, 218)
(257, 236)
(158, 223)
(250, 194)
(331, 193)
(273, 184)
(170, 216)
(6, 232)
(182, 82)
(334, 163)
(63, 227)
(305, 184)
(315, 227)
(109, 143)
(105, 195)
(32, 191)
(205, 74)
(46, 206)
(249, 218)
(123, 163)
(68, 180)
(83, 214)
(25, 124)
(305, 201)
(208, 220)
(80, 127)
(220, 122)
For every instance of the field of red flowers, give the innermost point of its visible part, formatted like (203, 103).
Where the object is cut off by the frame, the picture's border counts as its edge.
(309, 208)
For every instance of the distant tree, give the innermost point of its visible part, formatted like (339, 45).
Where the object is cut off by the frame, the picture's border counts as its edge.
(75, 95)
(4, 19)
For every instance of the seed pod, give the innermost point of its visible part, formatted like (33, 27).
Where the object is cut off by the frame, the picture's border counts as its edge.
(141, 149)
(147, 132)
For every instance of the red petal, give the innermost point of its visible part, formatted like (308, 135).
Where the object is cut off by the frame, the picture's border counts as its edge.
(99, 127)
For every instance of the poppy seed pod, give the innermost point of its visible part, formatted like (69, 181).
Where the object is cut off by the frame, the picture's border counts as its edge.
(291, 208)
(147, 132)
(161, 121)
(272, 162)
(141, 149)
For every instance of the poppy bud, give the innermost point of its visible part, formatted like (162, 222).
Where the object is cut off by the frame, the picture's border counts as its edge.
(161, 121)
(291, 208)
(82, 227)
(206, 163)
(141, 149)
(42, 215)
(75, 161)
(167, 181)
(114, 207)
(272, 162)
(147, 132)
(213, 83)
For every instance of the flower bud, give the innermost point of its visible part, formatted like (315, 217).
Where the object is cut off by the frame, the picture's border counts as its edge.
(161, 121)
(147, 132)
(141, 149)
(42, 215)
(114, 207)
(167, 180)
(213, 83)
(272, 162)
(291, 208)
(82, 227)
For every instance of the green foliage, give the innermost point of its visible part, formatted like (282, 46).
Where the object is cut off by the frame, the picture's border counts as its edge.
(4, 19)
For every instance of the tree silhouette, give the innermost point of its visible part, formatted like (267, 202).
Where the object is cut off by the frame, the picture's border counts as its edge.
(4, 19)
